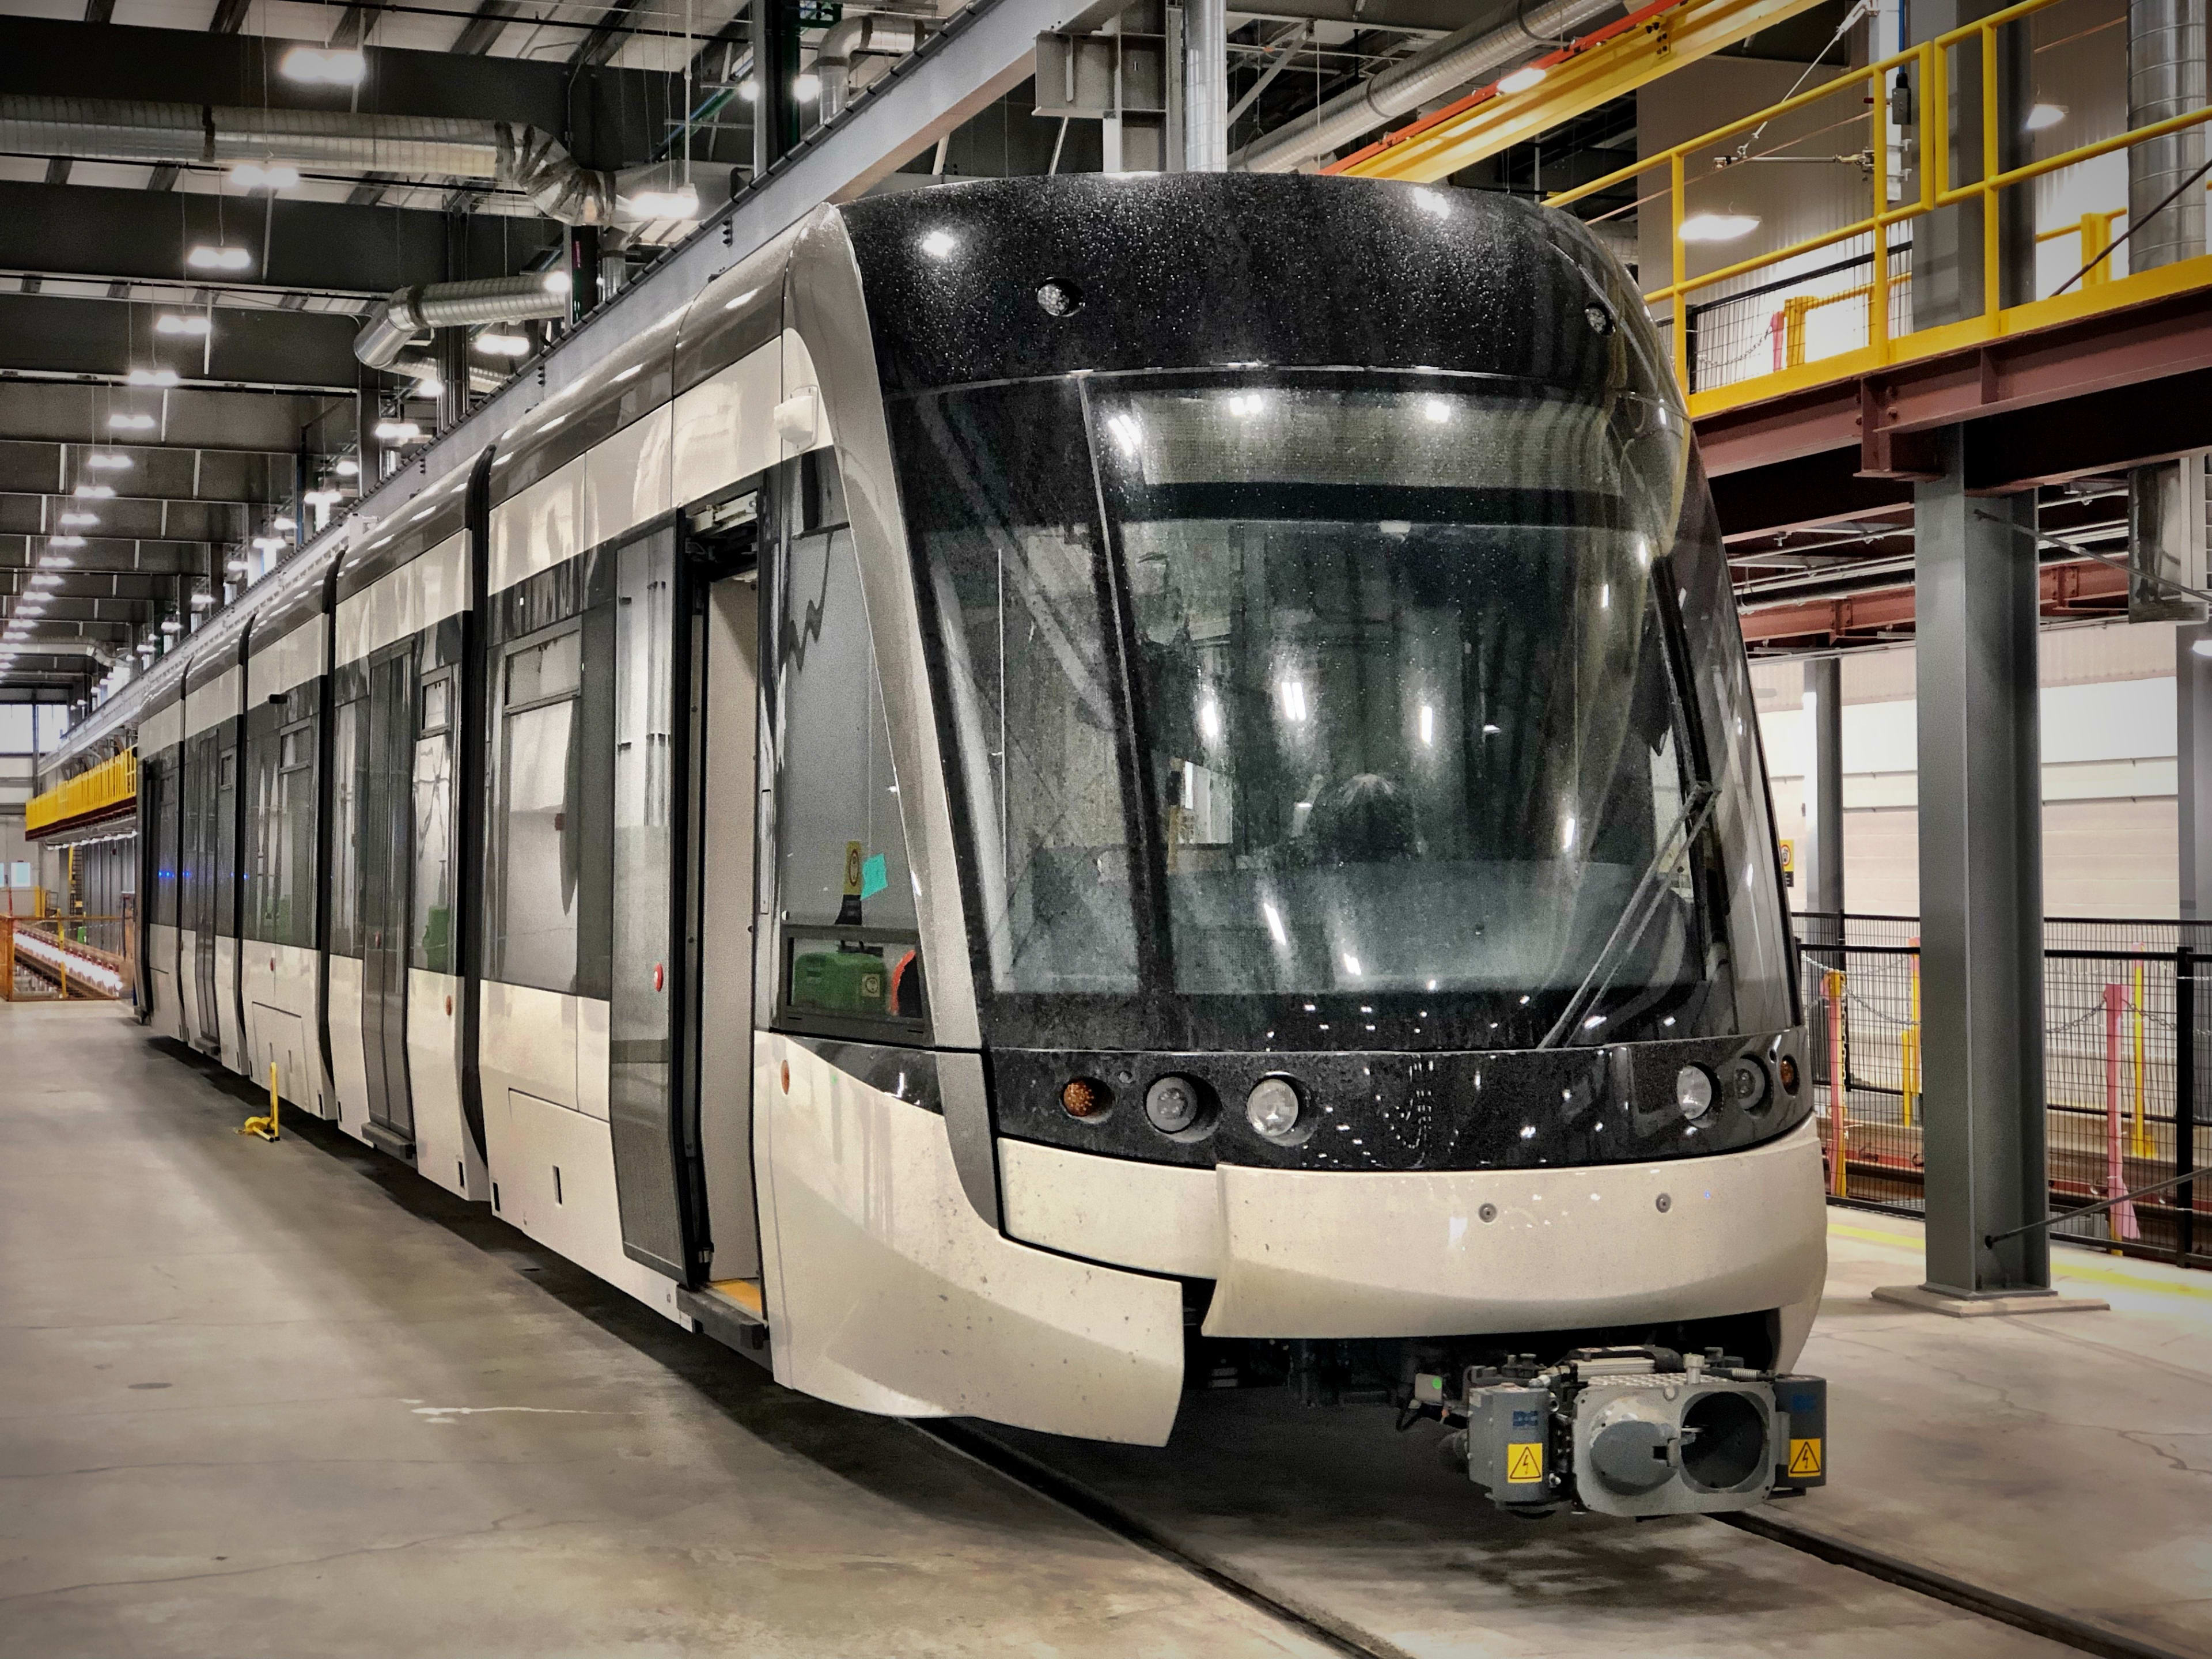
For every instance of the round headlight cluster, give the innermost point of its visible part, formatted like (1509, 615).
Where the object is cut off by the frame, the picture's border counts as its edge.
(1694, 1091)
(1273, 1109)
(1173, 1105)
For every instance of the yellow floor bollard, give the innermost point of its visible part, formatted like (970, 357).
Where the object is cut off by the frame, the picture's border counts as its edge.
(265, 1127)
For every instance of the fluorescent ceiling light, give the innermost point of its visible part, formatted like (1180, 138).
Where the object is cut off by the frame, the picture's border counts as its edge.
(503, 345)
(126, 423)
(45, 579)
(79, 517)
(58, 561)
(2044, 115)
(201, 601)
(265, 175)
(748, 92)
(337, 67)
(665, 203)
(170, 323)
(170, 625)
(95, 492)
(163, 377)
(1523, 78)
(558, 282)
(806, 88)
(284, 521)
(347, 468)
(429, 386)
(107, 462)
(208, 257)
(398, 431)
(269, 544)
(1718, 227)
(320, 498)
(237, 567)
(64, 541)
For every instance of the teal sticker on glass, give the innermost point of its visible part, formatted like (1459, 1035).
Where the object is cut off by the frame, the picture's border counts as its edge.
(875, 876)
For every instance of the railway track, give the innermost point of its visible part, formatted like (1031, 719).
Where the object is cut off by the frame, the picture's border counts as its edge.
(1317, 1622)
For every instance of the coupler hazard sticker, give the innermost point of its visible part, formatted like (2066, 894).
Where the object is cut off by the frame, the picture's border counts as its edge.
(1524, 1462)
(1805, 1460)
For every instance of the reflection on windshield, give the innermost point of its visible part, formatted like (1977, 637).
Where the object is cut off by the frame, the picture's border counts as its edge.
(1339, 709)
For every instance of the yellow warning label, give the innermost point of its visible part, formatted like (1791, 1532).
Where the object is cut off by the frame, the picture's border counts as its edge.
(1524, 1460)
(1805, 1459)
(856, 863)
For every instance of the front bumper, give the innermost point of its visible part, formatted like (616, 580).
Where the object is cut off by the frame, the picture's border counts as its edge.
(1325, 1255)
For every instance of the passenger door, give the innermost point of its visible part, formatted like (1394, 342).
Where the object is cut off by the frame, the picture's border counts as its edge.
(202, 861)
(387, 854)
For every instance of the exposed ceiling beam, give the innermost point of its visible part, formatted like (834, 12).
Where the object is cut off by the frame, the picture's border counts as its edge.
(326, 246)
(49, 333)
(482, 30)
(605, 38)
(55, 412)
(228, 15)
(109, 552)
(156, 473)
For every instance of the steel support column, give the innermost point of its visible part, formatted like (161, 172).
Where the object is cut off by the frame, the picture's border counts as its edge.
(1820, 861)
(1981, 885)
(776, 73)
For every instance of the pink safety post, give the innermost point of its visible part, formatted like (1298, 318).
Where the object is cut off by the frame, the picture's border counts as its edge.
(2123, 1223)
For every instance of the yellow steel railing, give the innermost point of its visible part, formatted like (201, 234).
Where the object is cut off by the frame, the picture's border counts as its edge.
(108, 785)
(1931, 60)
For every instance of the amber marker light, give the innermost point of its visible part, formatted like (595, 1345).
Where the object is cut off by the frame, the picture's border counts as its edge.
(1081, 1097)
(1788, 1068)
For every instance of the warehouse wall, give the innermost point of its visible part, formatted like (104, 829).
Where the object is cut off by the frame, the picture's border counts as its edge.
(2110, 841)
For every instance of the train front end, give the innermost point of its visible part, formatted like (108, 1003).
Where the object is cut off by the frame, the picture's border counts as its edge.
(1367, 881)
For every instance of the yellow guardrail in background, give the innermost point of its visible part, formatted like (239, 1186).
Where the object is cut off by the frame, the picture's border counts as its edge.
(1931, 60)
(111, 784)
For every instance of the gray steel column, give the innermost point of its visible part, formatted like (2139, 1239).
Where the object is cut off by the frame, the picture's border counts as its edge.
(1981, 885)
(2192, 697)
(1821, 865)
(2166, 77)
(1205, 86)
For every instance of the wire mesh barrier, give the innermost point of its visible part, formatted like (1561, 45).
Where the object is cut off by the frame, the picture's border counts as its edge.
(2127, 1042)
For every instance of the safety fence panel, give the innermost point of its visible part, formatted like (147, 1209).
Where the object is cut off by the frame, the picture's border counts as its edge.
(2127, 1040)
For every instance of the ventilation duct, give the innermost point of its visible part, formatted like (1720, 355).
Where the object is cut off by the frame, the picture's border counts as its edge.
(853, 36)
(1476, 51)
(452, 305)
(501, 153)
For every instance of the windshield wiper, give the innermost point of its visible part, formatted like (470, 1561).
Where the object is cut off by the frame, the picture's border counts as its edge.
(1643, 905)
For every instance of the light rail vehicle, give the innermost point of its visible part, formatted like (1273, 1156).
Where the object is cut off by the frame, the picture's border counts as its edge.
(1051, 792)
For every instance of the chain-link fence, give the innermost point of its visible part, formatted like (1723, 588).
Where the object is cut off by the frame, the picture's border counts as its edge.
(2124, 1089)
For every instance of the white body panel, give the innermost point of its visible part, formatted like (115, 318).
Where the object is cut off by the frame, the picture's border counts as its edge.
(887, 1293)
(162, 728)
(192, 1016)
(406, 601)
(348, 1059)
(1326, 1254)
(278, 981)
(444, 1149)
(552, 1164)
(233, 1040)
(216, 701)
(168, 1019)
(590, 499)
(293, 660)
(726, 427)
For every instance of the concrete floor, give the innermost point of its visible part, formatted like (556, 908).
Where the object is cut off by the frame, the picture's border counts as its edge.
(289, 1399)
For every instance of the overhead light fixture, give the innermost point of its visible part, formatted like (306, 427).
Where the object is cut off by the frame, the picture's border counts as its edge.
(170, 625)
(806, 88)
(336, 67)
(202, 601)
(237, 567)
(161, 377)
(665, 203)
(429, 386)
(558, 282)
(268, 543)
(205, 256)
(1718, 227)
(108, 462)
(748, 92)
(265, 175)
(129, 424)
(503, 345)
(398, 431)
(1523, 78)
(45, 579)
(318, 498)
(170, 322)
(64, 541)
(284, 521)
(347, 469)
(58, 561)
(79, 519)
(2044, 115)
(94, 492)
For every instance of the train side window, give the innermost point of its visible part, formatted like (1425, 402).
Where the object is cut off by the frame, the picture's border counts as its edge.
(850, 952)
(431, 932)
(346, 763)
(538, 816)
(280, 816)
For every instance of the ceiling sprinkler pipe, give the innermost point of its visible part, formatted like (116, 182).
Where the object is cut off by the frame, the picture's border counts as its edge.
(452, 305)
(1475, 52)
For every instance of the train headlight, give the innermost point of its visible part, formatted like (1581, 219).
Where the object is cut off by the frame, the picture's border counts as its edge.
(1694, 1091)
(1173, 1104)
(1273, 1109)
(1747, 1082)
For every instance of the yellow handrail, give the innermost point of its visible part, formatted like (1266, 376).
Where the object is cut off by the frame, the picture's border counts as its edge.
(111, 784)
(1931, 59)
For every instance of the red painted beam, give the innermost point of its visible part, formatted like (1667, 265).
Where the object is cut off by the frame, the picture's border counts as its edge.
(2068, 590)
